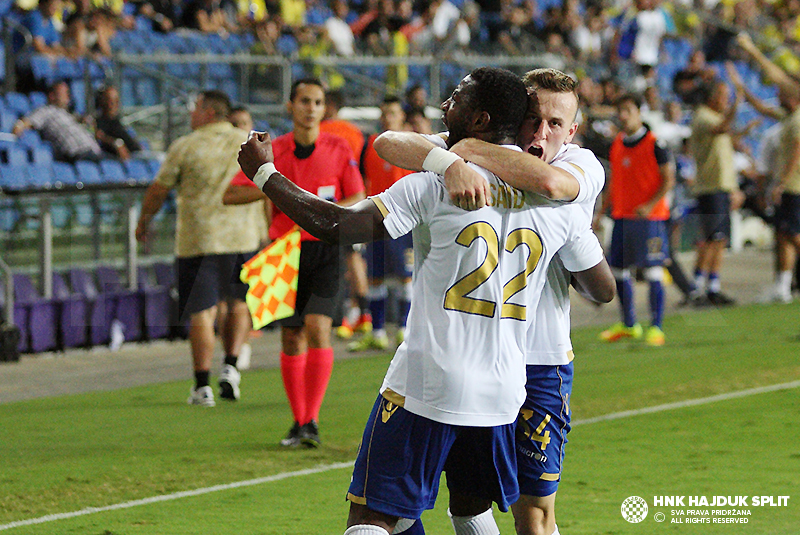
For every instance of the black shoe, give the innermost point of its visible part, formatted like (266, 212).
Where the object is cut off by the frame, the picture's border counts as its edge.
(719, 299)
(292, 439)
(309, 435)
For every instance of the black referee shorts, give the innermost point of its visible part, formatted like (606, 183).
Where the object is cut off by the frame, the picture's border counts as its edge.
(318, 281)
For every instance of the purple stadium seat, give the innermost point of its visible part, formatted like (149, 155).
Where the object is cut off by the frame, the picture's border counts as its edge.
(157, 305)
(99, 314)
(42, 314)
(166, 277)
(72, 313)
(21, 316)
(127, 303)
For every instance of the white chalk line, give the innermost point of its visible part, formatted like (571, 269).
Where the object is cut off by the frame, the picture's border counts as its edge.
(338, 466)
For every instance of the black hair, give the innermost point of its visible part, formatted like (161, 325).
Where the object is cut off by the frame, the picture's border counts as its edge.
(501, 94)
(305, 81)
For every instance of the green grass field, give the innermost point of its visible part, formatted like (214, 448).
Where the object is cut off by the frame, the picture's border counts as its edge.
(70, 453)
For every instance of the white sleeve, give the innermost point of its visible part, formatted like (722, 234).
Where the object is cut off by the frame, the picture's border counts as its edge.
(581, 252)
(587, 170)
(408, 202)
(436, 140)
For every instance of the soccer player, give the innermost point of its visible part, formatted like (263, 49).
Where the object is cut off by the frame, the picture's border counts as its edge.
(453, 390)
(642, 174)
(551, 166)
(396, 256)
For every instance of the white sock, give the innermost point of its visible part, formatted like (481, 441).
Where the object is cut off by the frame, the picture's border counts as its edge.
(784, 282)
(482, 524)
(365, 529)
(403, 524)
(556, 531)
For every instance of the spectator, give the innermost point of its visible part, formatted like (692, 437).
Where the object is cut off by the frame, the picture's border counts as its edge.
(416, 99)
(716, 185)
(112, 135)
(71, 140)
(207, 16)
(212, 240)
(45, 35)
(638, 41)
(689, 82)
(87, 34)
(240, 118)
(162, 13)
(520, 35)
(418, 122)
(339, 31)
(332, 124)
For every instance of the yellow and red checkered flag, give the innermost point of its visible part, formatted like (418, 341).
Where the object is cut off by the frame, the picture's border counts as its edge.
(272, 277)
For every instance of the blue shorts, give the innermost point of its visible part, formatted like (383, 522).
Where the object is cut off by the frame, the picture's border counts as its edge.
(388, 258)
(542, 427)
(787, 215)
(714, 214)
(402, 456)
(638, 242)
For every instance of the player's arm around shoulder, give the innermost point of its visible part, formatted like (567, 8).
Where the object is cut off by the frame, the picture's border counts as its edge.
(327, 221)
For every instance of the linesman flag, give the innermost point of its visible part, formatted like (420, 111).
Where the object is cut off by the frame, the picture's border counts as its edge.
(272, 277)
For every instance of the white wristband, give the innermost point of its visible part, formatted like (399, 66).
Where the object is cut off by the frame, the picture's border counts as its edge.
(262, 175)
(438, 160)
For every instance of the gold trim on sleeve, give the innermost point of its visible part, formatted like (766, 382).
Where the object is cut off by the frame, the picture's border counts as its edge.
(381, 207)
(549, 477)
(356, 499)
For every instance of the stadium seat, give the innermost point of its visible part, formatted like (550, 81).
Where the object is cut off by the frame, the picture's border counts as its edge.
(64, 174)
(18, 103)
(16, 155)
(67, 69)
(40, 175)
(41, 314)
(72, 310)
(166, 277)
(127, 307)
(21, 316)
(77, 89)
(7, 120)
(30, 138)
(88, 173)
(154, 166)
(43, 69)
(157, 305)
(113, 172)
(9, 214)
(138, 171)
(99, 306)
(41, 154)
(13, 177)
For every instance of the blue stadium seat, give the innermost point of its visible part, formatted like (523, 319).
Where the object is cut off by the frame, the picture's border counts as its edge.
(30, 138)
(64, 174)
(7, 120)
(13, 177)
(15, 154)
(40, 175)
(43, 69)
(9, 214)
(18, 103)
(113, 172)
(88, 172)
(41, 154)
(37, 99)
(77, 89)
(67, 69)
(138, 171)
(154, 166)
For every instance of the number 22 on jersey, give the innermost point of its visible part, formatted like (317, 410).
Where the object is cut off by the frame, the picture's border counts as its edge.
(457, 296)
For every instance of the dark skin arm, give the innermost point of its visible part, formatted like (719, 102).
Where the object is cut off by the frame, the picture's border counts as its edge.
(331, 223)
(596, 284)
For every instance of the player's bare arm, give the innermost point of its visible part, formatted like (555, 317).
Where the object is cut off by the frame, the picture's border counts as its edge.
(596, 284)
(330, 222)
(667, 171)
(409, 150)
(241, 195)
(519, 169)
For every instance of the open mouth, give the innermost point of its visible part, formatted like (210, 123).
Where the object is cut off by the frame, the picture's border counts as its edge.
(536, 151)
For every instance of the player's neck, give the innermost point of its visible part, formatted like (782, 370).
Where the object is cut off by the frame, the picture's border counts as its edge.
(306, 136)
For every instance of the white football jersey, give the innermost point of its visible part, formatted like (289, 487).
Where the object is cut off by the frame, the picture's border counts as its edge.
(477, 278)
(549, 334)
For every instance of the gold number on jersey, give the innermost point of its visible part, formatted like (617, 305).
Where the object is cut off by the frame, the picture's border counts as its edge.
(531, 240)
(456, 296)
(539, 434)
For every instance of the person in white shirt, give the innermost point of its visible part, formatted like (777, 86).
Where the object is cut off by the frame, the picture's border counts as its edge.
(560, 171)
(453, 390)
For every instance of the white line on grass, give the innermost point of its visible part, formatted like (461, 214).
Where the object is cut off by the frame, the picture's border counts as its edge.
(688, 403)
(337, 466)
(176, 495)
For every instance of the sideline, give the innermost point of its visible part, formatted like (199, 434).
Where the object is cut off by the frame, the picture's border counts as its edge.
(338, 466)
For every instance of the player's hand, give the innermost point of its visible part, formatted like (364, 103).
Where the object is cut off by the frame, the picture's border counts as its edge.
(255, 152)
(468, 189)
(643, 210)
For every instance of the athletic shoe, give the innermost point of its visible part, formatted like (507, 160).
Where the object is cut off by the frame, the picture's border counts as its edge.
(719, 299)
(364, 324)
(292, 439)
(367, 342)
(400, 335)
(654, 336)
(229, 380)
(309, 435)
(618, 331)
(774, 294)
(345, 330)
(202, 396)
